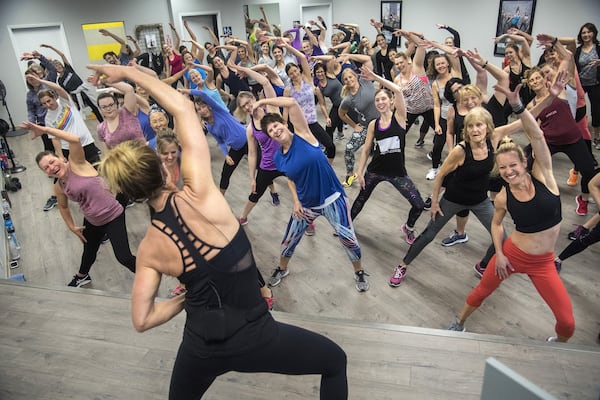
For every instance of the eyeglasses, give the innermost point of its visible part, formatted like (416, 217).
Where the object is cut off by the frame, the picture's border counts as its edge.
(108, 106)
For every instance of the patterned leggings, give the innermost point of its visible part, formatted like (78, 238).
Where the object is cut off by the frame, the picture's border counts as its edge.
(404, 185)
(354, 143)
(337, 213)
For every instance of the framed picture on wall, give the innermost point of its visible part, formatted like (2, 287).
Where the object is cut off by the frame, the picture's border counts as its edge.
(391, 14)
(513, 14)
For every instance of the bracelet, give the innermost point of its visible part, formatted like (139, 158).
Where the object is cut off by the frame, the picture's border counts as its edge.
(484, 65)
(518, 108)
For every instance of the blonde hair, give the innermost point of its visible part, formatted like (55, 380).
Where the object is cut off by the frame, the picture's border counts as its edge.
(506, 145)
(163, 139)
(239, 113)
(133, 169)
(469, 90)
(478, 114)
(345, 89)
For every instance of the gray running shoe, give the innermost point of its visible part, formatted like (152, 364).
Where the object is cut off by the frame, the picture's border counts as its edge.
(362, 284)
(277, 275)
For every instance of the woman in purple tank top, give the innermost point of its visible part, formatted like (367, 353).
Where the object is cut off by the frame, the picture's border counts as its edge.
(77, 180)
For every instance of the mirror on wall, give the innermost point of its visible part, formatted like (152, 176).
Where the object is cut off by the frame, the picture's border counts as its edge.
(262, 14)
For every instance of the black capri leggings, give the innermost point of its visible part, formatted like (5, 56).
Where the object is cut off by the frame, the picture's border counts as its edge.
(336, 122)
(323, 138)
(263, 179)
(227, 171)
(295, 351)
(593, 93)
(117, 233)
(581, 243)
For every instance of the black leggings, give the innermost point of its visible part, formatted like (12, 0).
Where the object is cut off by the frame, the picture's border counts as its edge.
(403, 184)
(323, 138)
(581, 243)
(438, 144)
(295, 351)
(263, 179)
(117, 233)
(427, 120)
(336, 122)
(227, 171)
(593, 93)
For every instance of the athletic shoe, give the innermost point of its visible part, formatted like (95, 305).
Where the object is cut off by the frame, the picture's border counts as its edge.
(339, 136)
(362, 284)
(597, 144)
(552, 339)
(50, 203)
(409, 234)
(243, 221)
(277, 275)
(455, 238)
(479, 270)
(579, 231)
(582, 206)
(427, 206)
(456, 326)
(177, 291)
(130, 203)
(420, 143)
(416, 122)
(310, 230)
(349, 180)
(573, 177)
(397, 276)
(431, 174)
(557, 265)
(105, 238)
(275, 199)
(430, 156)
(78, 281)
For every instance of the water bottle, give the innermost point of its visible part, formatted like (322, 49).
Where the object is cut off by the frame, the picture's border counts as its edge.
(8, 224)
(14, 248)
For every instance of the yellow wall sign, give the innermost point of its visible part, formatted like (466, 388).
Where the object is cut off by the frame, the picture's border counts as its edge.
(98, 44)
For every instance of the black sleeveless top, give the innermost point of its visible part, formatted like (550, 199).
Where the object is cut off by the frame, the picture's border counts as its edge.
(543, 211)
(229, 278)
(469, 182)
(388, 157)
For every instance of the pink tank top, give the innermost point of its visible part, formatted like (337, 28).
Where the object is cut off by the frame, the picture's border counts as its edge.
(98, 205)
(129, 128)
(176, 63)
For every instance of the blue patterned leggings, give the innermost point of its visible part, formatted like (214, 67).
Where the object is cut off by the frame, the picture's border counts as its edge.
(337, 213)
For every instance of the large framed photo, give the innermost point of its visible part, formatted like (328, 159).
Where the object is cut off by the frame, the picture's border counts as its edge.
(513, 14)
(391, 15)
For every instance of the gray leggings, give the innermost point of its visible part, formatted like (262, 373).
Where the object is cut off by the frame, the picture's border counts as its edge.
(354, 143)
(484, 212)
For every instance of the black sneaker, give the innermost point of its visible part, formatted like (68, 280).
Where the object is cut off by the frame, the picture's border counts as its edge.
(427, 206)
(579, 231)
(362, 284)
(420, 143)
(50, 203)
(79, 281)
(105, 238)
(275, 199)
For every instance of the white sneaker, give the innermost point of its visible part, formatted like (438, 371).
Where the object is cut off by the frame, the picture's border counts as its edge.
(431, 174)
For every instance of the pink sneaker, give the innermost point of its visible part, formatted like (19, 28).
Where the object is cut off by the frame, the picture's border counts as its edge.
(409, 234)
(310, 230)
(243, 221)
(582, 206)
(397, 276)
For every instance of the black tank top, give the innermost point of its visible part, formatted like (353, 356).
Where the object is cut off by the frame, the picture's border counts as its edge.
(469, 183)
(230, 277)
(388, 157)
(543, 211)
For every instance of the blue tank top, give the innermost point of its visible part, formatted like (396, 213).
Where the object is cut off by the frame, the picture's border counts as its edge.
(306, 165)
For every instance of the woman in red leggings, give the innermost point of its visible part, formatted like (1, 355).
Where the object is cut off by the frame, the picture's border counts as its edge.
(532, 199)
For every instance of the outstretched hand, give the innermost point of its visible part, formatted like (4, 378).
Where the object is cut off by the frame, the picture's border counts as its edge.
(36, 130)
(108, 73)
(560, 82)
(511, 95)
(367, 73)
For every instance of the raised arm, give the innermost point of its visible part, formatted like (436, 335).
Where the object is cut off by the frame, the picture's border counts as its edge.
(177, 41)
(130, 101)
(117, 38)
(62, 56)
(499, 74)
(399, 105)
(306, 72)
(195, 155)
(215, 39)
(294, 112)
(51, 85)
(453, 32)
(137, 50)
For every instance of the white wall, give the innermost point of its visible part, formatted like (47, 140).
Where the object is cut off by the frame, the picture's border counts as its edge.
(476, 21)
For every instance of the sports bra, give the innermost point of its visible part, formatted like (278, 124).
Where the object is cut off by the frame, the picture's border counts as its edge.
(543, 211)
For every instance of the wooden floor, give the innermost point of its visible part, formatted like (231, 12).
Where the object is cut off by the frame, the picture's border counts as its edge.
(321, 282)
(76, 343)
